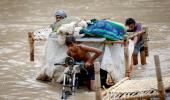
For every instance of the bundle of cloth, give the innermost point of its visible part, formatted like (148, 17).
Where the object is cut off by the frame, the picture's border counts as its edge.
(98, 28)
(105, 28)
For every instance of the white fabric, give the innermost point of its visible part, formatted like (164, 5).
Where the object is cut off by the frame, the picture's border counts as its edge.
(42, 34)
(131, 49)
(67, 28)
(53, 53)
(113, 60)
(61, 39)
(82, 24)
(77, 31)
(72, 28)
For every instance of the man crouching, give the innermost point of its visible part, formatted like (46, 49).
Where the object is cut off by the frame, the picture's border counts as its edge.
(83, 53)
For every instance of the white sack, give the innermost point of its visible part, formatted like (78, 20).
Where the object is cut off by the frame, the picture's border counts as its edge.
(113, 60)
(52, 53)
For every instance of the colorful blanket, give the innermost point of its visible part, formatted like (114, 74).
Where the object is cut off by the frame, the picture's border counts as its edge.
(105, 28)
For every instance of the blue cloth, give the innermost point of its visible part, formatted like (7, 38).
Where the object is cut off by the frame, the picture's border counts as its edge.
(107, 29)
(61, 13)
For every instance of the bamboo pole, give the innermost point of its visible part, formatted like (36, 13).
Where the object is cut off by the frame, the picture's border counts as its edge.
(145, 37)
(126, 55)
(31, 44)
(97, 81)
(161, 89)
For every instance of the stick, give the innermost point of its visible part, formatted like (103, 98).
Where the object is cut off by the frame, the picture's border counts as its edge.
(97, 81)
(145, 37)
(31, 44)
(126, 54)
(133, 34)
(114, 42)
(159, 78)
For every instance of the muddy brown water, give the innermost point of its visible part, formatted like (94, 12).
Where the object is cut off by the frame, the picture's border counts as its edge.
(17, 17)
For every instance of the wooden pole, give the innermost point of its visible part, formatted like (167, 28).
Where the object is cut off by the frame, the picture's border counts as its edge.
(31, 45)
(97, 81)
(145, 37)
(126, 55)
(133, 34)
(159, 78)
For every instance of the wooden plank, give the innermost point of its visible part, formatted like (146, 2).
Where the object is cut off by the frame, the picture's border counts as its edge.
(97, 81)
(31, 44)
(126, 55)
(145, 37)
(90, 39)
(159, 78)
(99, 40)
(114, 42)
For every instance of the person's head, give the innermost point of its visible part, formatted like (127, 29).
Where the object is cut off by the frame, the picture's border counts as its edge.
(60, 14)
(70, 41)
(130, 23)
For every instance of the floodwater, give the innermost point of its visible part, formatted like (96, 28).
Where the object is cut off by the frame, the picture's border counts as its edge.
(18, 17)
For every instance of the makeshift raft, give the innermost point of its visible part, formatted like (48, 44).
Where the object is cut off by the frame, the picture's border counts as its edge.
(139, 89)
(42, 35)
